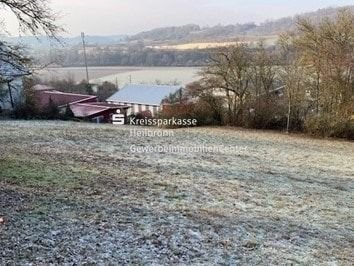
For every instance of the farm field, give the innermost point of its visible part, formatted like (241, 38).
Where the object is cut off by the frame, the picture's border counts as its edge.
(76, 193)
(124, 75)
(79, 73)
(268, 40)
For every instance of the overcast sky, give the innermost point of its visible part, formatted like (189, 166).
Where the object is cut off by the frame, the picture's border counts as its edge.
(110, 17)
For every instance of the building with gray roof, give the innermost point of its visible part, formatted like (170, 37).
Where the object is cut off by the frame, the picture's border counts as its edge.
(143, 97)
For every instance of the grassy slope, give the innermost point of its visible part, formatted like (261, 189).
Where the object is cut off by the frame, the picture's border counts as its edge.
(74, 193)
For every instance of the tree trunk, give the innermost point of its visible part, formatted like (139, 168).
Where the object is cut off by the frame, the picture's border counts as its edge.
(289, 113)
(10, 94)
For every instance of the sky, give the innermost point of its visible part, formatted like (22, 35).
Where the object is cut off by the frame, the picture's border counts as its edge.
(114, 17)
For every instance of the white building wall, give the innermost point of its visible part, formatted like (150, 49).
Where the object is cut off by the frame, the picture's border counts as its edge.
(134, 108)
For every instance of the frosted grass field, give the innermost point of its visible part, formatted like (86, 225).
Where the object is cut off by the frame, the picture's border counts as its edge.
(75, 193)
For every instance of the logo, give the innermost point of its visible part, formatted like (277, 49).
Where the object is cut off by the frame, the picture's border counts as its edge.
(118, 118)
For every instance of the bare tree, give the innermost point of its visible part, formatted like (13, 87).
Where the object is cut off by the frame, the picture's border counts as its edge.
(263, 70)
(263, 76)
(326, 50)
(310, 46)
(33, 16)
(229, 71)
(293, 76)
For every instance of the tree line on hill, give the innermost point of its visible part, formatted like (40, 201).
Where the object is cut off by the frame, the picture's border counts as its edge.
(135, 50)
(134, 56)
(192, 32)
(306, 84)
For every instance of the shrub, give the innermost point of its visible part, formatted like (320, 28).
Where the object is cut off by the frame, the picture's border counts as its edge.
(264, 114)
(205, 112)
(178, 111)
(327, 125)
(206, 115)
(24, 111)
(50, 112)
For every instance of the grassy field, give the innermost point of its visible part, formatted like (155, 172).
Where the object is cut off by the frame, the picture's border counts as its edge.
(76, 193)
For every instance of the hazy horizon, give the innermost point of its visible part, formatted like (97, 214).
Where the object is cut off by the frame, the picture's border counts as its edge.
(130, 17)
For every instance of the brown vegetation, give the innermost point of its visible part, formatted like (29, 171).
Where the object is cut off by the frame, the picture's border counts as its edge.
(305, 84)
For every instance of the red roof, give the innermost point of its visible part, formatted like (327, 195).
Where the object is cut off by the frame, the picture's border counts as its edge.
(85, 110)
(93, 109)
(80, 104)
(58, 98)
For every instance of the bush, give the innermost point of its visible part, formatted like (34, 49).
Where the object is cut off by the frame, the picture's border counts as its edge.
(205, 114)
(266, 114)
(24, 111)
(178, 111)
(330, 126)
(203, 111)
(27, 110)
(106, 90)
(346, 130)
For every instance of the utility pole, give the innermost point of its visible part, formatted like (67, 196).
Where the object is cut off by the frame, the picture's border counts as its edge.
(84, 46)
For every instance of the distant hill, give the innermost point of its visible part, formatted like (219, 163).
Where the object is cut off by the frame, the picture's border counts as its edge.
(187, 45)
(193, 32)
(70, 41)
(187, 33)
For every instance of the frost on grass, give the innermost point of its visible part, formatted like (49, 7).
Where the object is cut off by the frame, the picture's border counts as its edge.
(74, 193)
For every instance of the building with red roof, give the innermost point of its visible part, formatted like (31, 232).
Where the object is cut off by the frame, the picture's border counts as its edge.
(82, 106)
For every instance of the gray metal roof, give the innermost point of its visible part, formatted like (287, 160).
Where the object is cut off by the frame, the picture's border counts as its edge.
(143, 94)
